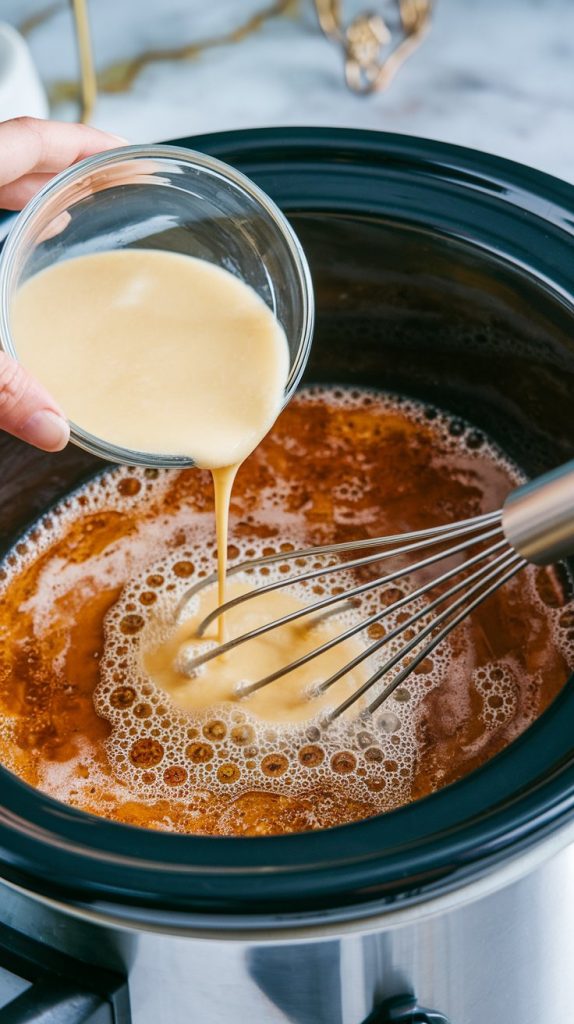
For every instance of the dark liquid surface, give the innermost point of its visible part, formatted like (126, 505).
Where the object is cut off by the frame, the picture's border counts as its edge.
(336, 467)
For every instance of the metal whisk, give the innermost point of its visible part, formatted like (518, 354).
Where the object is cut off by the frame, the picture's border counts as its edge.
(535, 524)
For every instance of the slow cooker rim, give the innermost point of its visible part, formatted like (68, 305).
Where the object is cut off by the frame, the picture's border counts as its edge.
(475, 168)
(58, 856)
(54, 828)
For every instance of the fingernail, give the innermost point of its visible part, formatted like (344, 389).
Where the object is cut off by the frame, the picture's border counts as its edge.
(46, 430)
(120, 138)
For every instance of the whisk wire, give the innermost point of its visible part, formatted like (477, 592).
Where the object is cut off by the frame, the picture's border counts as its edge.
(535, 525)
(425, 538)
(400, 678)
(327, 602)
(421, 613)
(436, 533)
(376, 618)
(513, 563)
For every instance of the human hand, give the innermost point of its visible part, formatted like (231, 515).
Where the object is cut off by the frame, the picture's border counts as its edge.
(31, 152)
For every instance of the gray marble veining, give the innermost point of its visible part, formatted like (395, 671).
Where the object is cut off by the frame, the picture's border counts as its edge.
(494, 74)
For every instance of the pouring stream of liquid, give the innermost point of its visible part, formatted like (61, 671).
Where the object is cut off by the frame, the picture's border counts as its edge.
(223, 480)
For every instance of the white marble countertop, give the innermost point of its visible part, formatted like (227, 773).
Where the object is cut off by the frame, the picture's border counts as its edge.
(494, 74)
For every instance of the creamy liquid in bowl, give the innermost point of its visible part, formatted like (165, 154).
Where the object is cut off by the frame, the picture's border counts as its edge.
(157, 352)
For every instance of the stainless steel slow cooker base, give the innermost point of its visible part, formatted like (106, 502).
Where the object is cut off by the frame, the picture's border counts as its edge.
(497, 958)
(445, 275)
(494, 951)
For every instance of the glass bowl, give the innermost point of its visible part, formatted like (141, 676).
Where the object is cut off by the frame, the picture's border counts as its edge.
(171, 199)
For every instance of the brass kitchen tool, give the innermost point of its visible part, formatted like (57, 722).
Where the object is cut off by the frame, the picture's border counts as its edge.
(88, 81)
(372, 57)
(373, 52)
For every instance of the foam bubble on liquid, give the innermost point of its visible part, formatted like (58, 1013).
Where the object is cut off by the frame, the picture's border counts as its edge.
(226, 748)
(453, 434)
(496, 684)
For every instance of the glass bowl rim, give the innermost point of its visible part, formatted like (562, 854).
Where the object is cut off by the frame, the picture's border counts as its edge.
(194, 159)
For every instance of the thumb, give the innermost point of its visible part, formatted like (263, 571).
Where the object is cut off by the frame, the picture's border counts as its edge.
(27, 411)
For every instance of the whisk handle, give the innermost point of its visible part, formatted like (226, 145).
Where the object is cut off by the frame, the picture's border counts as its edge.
(538, 518)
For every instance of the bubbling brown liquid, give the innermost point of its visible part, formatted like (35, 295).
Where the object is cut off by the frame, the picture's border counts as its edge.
(84, 722)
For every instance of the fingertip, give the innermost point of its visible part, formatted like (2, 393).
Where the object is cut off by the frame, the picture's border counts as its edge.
(47, 430)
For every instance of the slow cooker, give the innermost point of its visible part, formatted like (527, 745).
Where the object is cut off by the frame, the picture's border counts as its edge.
(446, 275)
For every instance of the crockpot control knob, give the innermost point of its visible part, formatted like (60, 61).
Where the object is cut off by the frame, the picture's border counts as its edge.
(404, 1010)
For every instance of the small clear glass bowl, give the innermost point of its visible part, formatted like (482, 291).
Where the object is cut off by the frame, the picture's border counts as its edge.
(168, 198)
